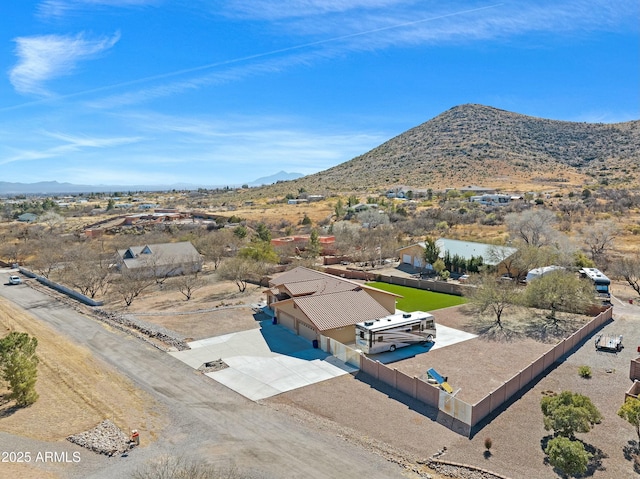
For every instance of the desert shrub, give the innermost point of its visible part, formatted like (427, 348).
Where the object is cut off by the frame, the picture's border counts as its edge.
(488, 443)
(584, 372)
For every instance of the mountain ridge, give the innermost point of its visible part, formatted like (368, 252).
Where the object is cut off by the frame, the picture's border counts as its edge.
(477, 144)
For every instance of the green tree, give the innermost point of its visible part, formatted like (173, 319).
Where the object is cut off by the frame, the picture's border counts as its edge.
(630, 412)
(313, 248)
(263, 232)
(240, 232)
(560, 291)
(568, 456)
(111, 204)
(494, 295)
(306, 220)
(18, 362)
(339, 209)
(439, 266)
(568, 413)
(259, 251)
(431, 250)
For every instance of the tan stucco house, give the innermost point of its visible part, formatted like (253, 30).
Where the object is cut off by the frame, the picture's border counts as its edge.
(311, 303)
(414, 253)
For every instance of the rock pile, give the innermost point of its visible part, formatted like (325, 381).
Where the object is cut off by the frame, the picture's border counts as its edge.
(148, 330)
(105, 438)
(213, 366)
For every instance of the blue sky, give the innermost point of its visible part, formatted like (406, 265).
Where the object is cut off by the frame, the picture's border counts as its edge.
(159, 92)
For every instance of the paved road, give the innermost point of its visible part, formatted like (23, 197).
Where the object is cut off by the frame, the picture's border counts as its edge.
(205, 418)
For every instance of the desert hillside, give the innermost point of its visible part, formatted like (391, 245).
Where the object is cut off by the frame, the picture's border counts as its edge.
(476, 144)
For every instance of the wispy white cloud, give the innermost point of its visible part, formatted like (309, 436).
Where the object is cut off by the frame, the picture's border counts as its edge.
(42, 58)
(65, 145)
(442, 23)
(211, 144)
(60, 8)
(334, 30)
(279, 9)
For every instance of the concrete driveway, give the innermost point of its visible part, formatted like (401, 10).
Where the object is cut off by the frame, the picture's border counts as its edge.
(445, 336)
(264, 362)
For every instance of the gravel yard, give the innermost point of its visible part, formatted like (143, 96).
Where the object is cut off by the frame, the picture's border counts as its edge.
(381, 414)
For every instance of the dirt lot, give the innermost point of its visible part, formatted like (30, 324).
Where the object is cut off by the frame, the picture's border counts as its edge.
(76, 391)
(382, 416)
(215, 309)
(517, 432)
(476, 366)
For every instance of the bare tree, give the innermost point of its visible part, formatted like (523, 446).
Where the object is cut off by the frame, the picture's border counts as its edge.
(176, 467)
(600, 239)
(377, 243)
(533, 227)
(216, 245)
(131, 283)
(239, 270)
(347, 237)
(159, 266)
(188, 283)
(371, 218)
(87, 270)
(47, 254)
(628, 267)
(52, 219)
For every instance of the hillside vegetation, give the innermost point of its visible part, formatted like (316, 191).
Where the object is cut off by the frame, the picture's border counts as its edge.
(476, 144)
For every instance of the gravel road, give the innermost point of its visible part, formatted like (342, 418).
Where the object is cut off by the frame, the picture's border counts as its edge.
(205, 419)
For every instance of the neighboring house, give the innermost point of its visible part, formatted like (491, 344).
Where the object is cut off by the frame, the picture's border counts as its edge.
(494, 200)
(414, 254)
(310, 303)
(161, 260)
(27, 217)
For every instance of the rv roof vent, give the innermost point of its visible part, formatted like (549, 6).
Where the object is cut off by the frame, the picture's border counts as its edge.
(406, 315)
(368, 323)
(388, 319)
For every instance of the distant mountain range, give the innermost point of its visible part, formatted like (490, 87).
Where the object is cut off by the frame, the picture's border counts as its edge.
(54, 187)
(466, 145)
(280, 176)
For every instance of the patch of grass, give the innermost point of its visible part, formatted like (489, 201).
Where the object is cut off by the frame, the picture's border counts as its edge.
(414, 299)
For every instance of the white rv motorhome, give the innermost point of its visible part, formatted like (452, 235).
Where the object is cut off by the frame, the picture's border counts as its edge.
(600, 282)
(395, 331)
(540, 272)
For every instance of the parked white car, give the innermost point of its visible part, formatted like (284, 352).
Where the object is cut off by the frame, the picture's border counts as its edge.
(15, 280)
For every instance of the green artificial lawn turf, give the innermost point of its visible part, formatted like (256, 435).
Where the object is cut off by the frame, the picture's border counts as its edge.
(414, 299)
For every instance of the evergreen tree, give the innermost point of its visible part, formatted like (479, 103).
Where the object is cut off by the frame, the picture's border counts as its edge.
(431, 251)
(18, 363)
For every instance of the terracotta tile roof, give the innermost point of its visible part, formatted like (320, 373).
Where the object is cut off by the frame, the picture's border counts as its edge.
(340, 309)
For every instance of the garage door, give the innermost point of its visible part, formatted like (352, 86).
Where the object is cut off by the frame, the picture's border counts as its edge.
(417, 262)
(406, 258)
(306, 331)
(287, 321)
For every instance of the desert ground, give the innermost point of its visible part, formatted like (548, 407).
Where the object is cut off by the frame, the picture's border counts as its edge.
(393, 426)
